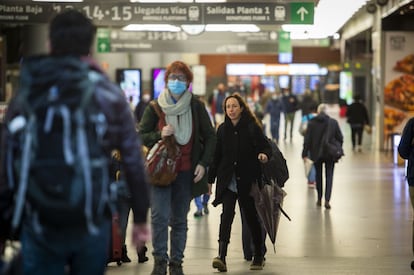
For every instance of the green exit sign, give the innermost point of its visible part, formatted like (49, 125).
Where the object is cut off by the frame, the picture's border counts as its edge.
(103, 42)
(302, 12)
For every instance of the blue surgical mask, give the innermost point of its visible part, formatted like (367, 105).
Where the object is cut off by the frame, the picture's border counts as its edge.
(177, 87)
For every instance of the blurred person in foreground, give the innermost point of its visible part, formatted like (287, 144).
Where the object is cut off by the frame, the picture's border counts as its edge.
(188, 121)
(406, 151)
(241, 148)
(312, 148)
(52, 249)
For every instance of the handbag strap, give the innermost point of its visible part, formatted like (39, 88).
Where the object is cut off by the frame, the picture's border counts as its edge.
(169, 141)
(159, 113)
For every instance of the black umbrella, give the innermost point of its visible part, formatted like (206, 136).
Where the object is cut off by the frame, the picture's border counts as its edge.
(268, 198)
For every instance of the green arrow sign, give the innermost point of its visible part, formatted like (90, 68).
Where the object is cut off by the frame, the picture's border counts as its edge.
(302, 12)
(285, 45)
(103, 43)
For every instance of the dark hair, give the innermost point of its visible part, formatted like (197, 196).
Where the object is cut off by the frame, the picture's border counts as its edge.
(246, 109)
(71, 32)
(179, 66)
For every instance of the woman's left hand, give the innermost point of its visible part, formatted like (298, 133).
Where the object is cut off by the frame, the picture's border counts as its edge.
(262, 158)
(199, 172)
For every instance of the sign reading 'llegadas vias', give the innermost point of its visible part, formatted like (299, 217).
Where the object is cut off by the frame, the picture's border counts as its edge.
(111, 13)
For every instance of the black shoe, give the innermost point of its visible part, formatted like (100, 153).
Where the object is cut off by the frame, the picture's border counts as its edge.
(124, 255)
(318, 203)
(258, 263)
(176, 269)
(206, 211)
(220, 264)
(198, 214)
(141, 255)
(412, 265)
(327, 205)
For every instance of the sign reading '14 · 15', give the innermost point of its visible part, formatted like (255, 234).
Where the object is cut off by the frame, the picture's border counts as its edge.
(110, 13)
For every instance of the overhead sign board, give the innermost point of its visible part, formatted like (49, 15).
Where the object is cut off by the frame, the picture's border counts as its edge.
(110, 13)
(302, 13)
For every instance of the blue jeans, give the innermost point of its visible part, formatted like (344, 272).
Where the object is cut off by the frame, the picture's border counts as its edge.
(84, 254)
(312, 174)
(169, 207)
(201, 201)
(274, 127)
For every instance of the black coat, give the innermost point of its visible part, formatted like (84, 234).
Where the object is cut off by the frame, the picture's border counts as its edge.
(317, 127)
(236, 153)
(357, 114)
(406, 149)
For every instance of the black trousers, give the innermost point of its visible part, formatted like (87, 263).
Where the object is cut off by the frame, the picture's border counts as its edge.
(356, 134)
(329, 171)
(246, 202)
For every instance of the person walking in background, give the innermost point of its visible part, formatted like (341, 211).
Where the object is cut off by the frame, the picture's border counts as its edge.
(201, 203)
(312, 112)
(308, 104)
(124, 207)
(241, 147)
(142, 104)
(188, 121)
(406, 151)
(312, 148)
(274, 108)
(290, 106)
(49, 245)
(218, 96)
(357, 115)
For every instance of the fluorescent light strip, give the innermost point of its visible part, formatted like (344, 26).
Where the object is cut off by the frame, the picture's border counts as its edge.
(152, 27)
(177, 1)
(60, 1)
(232, 28)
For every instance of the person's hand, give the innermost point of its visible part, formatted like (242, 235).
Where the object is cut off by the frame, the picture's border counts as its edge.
(262, 158)
(140, 235)
(199, 172)
(167, 130)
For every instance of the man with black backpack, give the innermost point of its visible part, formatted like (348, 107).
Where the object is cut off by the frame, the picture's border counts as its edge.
(55, 192)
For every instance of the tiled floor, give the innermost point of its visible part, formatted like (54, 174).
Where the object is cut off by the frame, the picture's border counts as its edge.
(367, 231)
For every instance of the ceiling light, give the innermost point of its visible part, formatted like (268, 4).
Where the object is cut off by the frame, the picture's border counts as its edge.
(175, 1)
(67, 1)
(193, 29)
(232, 28)
(152, 27)
(161, 1)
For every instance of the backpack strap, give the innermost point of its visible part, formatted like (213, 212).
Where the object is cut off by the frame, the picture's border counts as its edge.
(24, 173)
(83, 150)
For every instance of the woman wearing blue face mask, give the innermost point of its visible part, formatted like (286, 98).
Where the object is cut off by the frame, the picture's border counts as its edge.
(187, 119)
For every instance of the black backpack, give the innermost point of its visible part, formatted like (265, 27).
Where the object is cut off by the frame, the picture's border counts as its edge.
(276, 167)
(57, 163)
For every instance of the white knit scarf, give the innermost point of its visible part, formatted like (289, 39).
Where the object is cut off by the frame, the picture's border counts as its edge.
(178, 115)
